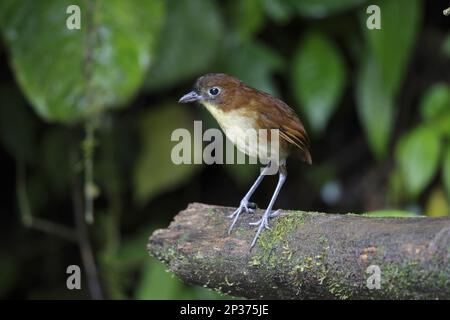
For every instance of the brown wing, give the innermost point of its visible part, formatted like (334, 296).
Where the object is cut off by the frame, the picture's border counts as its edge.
(275, 114)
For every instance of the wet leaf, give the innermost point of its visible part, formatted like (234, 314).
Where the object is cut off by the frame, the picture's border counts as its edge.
(68, 75)
(417, 155)
(393, 43)
(375, 107)
(319, 77)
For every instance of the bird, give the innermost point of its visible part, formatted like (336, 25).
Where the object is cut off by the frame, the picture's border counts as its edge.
(238, 107)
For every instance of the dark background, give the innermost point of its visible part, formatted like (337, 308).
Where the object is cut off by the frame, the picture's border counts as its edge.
(382, 145)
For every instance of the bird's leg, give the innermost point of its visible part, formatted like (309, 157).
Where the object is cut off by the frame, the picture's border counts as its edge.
(245, 204)
(267, 214)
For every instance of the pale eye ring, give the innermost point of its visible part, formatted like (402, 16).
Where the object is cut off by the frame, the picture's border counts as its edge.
(214, 91)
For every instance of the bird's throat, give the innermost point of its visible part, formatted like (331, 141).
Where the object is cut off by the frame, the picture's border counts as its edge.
(236, 119)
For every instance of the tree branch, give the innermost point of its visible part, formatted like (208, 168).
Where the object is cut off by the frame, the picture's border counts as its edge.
(308, 255)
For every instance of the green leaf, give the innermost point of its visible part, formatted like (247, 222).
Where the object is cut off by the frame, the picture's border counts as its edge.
(248, 16)
(155, 171)
(156, 283)
(69, 75)
(189, 44)
(436, 101)
(391, 213)
(254, 64)
(392, 44)
(446, 171)
(375, 107)
(417, 156)
(323, 8)
(318, 77)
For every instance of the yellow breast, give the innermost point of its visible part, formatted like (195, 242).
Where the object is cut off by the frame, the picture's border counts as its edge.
(241, 129)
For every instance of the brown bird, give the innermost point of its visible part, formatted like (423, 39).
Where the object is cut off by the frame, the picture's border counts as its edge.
(239, 108)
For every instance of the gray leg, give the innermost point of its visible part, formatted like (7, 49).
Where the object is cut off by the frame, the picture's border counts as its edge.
(244, 205)
(264, 221)
(271, 215)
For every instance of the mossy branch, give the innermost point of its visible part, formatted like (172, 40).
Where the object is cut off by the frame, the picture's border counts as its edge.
(308, 255)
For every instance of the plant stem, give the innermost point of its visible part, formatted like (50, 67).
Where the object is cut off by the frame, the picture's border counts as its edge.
(89, 185)
(87, 255)
(26, 216)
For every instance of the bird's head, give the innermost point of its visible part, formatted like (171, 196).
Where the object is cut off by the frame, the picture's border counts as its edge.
(215, 89)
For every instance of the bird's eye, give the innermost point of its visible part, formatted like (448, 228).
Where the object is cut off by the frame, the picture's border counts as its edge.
(214, 91)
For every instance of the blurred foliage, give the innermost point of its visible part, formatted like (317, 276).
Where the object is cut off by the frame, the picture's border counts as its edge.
(437, 204)
(190, 39)
(418, 156)
(392, 49)
(446, 46)
(382, 73)
(322, 8)
(253, 63)
(19, 143)
(390, 213)
(446, 170)
(154, 171)
(318, 79)
(376, 103)
(87, 70)
(375, 107)
(419, 151)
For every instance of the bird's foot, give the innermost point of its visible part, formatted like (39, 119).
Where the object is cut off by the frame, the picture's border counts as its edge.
(263, 223)
(246, 206)
(266, 221)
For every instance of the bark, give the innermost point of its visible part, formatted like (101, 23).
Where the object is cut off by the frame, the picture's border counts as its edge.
(308, 255)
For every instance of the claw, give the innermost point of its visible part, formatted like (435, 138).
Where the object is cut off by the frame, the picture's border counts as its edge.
(231, 216)
(263, 223)
(248, 207)
(272, 215)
